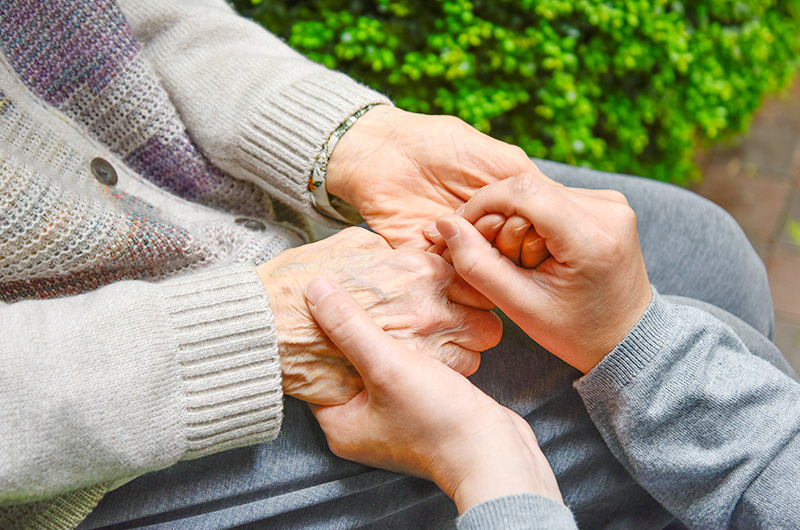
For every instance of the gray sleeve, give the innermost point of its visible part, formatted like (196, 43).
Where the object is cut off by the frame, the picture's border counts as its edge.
(134, 377)
(518, 512)
(258, 109)
(706, 427)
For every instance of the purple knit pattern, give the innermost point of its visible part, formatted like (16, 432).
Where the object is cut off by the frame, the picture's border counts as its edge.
(59, 47)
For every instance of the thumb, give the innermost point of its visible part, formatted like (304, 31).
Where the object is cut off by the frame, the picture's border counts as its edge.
(481, 265)
(346, 323)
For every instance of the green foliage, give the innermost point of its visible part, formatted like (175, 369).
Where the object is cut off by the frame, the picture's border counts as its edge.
(630, 85)
(794, 231)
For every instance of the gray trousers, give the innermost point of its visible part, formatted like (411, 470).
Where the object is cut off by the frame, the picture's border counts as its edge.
(695, 253)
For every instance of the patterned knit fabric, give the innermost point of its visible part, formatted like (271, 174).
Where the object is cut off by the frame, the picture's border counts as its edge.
(74, 87)
(61, 231)
(81, 58)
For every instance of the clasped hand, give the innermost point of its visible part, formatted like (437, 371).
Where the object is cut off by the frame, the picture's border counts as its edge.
(415, 296)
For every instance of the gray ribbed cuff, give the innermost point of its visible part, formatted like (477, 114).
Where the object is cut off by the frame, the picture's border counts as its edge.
(228, 358)
(518, 512)
(285, 133)
(637, 349)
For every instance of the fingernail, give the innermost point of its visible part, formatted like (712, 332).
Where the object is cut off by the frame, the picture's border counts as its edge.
(536, 244)
(521, 229)
(461, 209)
(448, 229)
(317, 289)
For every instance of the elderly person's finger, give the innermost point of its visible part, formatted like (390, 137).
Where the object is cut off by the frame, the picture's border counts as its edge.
(510, 237)
(556, 212)
(488, 225)
(475, 260)
(533, 250)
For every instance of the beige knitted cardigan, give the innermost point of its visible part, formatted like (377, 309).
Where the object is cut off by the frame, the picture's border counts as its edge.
(143, 146)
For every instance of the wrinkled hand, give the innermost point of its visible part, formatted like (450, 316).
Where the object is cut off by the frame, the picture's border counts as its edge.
(417, 416)
(588, 286)
(402, 170)
(413, 295)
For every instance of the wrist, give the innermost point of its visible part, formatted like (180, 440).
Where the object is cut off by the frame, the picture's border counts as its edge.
(329, 205)
(504, 460)
(353, 149)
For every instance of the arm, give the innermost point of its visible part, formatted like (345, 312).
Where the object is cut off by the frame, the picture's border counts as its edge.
(258, 109)
(709, 429)
(262, 112)
(134, 377)
(146, 374)
(419, 417)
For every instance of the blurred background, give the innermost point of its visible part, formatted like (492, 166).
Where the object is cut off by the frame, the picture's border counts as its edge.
(697, 93)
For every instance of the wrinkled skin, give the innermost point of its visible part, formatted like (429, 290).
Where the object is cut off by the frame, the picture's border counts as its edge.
(402, 170)
(413, 295)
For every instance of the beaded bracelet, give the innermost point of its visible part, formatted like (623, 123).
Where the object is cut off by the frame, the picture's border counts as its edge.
(329, 205)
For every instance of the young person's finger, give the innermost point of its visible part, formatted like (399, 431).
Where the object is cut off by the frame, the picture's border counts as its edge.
(346, 323)
(533, 251)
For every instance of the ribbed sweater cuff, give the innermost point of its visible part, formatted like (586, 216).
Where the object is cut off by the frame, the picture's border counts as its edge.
(518, 512)
(637, 349)
(286, 131)
(227, 358)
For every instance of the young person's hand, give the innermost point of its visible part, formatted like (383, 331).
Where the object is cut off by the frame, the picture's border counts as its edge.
(417, 416)
(583, 283)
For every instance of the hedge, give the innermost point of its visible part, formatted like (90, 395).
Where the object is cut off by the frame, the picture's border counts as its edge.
(632, 85)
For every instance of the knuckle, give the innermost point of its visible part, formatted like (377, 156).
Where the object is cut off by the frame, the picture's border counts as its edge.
(494, 331)
(417, 261)
(518, 152)
(526, 183)
(456, 122)
(618, 196)
(627, 215)
(363, 237)
(428, 316)
(625, 223)
(425, 265)
(462, 360)
(466, 362)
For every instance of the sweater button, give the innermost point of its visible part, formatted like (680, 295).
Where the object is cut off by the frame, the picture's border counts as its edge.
(251, 224)
(104, 172)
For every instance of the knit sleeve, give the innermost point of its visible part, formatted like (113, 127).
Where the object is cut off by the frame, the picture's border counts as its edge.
(711, 430)
(258, 109)
(133, 377)
(518, 512)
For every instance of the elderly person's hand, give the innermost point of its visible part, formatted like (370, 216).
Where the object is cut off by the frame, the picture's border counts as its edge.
(416, 296)
(582, 285)
(402, 170)
(417, 416)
